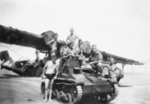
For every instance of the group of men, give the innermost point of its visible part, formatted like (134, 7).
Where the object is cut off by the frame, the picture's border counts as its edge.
(50, 70)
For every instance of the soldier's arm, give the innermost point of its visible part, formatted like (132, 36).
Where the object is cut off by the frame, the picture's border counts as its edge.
(43, 72)
(100, 56)
(77, 37)
(67, 39)
(56, 71)
(118, 69)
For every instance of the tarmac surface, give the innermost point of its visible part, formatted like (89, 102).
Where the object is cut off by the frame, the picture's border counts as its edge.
(133, 89)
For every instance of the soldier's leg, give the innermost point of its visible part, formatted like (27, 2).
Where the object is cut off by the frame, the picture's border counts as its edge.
(99, 68)
(43, 87)
(46, 89)
(50, 89)
(51, 86)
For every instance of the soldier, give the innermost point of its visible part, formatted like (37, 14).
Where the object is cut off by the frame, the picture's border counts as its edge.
(96, 59)
(65, 54)
(36, 63)
(50, 39)
(115, 72)
(85, 49)
(72, 39)
(78, 48)
(54, 44)
(49, 72)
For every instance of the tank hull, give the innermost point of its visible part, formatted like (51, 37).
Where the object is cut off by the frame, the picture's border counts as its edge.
(86, 89)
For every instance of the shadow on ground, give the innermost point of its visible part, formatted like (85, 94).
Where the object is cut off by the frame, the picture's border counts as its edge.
(9, 76)
(121, 85)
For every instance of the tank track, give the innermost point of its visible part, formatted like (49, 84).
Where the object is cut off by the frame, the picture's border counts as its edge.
(79, 94)
(71, 96)
(109, 97)
(116, 91)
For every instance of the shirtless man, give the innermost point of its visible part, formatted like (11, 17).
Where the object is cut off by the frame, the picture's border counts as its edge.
(71, 39)
(65, 54)
(49, 72)
(78, 48)
(115, 71)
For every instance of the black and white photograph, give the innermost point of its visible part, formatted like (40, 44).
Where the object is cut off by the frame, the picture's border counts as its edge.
(74, 51)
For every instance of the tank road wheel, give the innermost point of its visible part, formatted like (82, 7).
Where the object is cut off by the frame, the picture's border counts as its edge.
(69, 98)
(116, 91)
(62, 96)
(74, 92)
(103, 99)
(54, 95)
(57, 95)
(108, 97)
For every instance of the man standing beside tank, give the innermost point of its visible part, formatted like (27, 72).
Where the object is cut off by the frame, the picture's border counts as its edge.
(50, 70)
(71, 39)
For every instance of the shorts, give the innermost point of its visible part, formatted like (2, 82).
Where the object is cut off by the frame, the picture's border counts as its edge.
(50, 76)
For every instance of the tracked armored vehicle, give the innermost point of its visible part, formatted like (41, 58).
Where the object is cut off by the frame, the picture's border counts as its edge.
(74, 85)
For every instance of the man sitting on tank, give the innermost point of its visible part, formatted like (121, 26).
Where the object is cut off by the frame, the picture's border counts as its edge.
(49, 72)
(84, 54)
(78, 48)
(115, 71)
(96, 59)
(66, 53)
(71, 39)
(50, 39)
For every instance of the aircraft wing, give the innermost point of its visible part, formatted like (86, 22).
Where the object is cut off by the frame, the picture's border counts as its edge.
(119, 59)
(10, 35)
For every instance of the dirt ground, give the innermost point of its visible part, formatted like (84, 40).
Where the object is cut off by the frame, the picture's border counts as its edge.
(133, 89)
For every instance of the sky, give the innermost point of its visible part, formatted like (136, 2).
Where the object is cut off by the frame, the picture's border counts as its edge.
(120, 27)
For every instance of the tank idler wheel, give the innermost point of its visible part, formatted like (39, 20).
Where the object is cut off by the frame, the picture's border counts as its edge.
(103, 99)
(108, 97)
(65, 98)
(69, 98)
